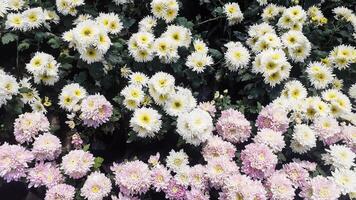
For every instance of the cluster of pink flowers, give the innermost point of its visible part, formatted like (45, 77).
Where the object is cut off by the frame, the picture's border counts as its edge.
(273, 117)
(216, 147)
(29, 125)
(14, 161)
(233, 126)
(258, 161)
(95, 110)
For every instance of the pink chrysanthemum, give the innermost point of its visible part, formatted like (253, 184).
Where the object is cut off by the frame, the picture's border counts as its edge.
(258, 161)
(13, 161)
(233, 126)
(271, 138)
(216, 147)
(280, 187)
(327, 129)
(46, 147)
(240, 186)
(208, 107)
(175, 191)
(297, 173)
(320, 188)
(77, 163)
(197, 195)
(349, 136)
(44, 174)
(219, 169)
(160, 177)
(96, 186)
(198, 178)
(28, 125)
(123, 197)
(273, 117)
(60, 191)
(133, 178)
(95, 110)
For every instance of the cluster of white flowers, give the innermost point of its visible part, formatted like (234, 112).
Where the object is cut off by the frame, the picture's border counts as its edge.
(91, 37)
(233, 13)
(237, 56)
(66, 7)
(44, 68)
(30, 19)
(292, 18)
(165, 9)
(297, 45)
(273, 65)
(262, 37)
(143, 46)
(8, 87)
(199, 59)
(71, 96)
(342, 56)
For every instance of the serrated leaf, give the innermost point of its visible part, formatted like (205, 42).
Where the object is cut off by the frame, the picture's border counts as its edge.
(8, 37)
(98, 161)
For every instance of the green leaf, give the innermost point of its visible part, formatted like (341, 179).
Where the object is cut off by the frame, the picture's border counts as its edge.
(98, 161)
(8, 37)
(54, 42)
(23, 45)
(86, 147)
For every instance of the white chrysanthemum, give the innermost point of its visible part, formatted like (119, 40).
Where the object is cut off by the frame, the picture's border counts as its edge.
(233, 13)
(70, 97)
(177, 160)
(4, 7)
(352, 91)
(342, 56)
(292, 18)
(199, 61)
(96, 187)
(166, 50)
(200, 46)
(180, 102)
(195, 127)
(237, 56)
(33, 18)
(272, 139)
(161, 85)
(91, 55)
(8, 87)
(165, 9)
(146, 122)
(111, 22)
(138, 78)
(66, 7)
(319, 75)
(119, 2)
(44, 68)
(179, 35)
(345, 179)
(133, 95)
(340, 157)
(51, 16)
(270, 12)
(294, 90)
(273, 65)
(14, 21)
(303, 138)
(147, 24)
(16, 5)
